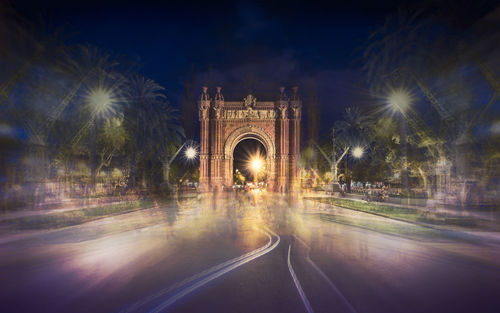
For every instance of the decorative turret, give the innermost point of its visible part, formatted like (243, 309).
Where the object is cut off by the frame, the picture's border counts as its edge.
(218, 102)
(283, 103)
(296, 103)
(295, 93)
(204, 94)
(218, 95)
(283, 95)
(204, 103)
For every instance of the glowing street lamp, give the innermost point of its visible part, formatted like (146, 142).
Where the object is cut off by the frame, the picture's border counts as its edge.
(191, 153)
(102, 101)
(400, 99)
(358, 152)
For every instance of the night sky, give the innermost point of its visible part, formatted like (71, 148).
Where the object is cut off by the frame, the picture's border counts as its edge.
(317, 46)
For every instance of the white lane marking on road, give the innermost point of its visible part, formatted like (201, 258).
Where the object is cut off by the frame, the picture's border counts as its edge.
(323, 275)
(165, 304)
(208, 274)
(297, 284)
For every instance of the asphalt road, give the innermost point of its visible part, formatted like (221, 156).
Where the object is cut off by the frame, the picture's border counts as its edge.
(249, 252)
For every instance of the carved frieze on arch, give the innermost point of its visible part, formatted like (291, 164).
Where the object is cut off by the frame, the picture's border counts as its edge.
(249, 132)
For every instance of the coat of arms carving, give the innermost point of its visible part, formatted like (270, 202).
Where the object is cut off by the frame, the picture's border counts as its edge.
(249, 101)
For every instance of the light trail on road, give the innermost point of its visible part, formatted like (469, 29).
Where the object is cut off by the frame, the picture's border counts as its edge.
(175, 258)
(197, 281)
(325, 278)
(297, 284)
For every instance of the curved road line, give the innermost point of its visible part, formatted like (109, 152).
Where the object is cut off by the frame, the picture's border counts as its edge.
(297, 284)
(253, 255)
(323, 275)
(194, 282)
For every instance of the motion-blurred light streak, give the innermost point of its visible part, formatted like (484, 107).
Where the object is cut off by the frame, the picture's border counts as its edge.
(197, 281)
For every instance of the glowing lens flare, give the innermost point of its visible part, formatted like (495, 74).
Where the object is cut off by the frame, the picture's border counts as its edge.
(191, 153)
(256, 164)
(400, 99)
(101, 100)
(358, 152)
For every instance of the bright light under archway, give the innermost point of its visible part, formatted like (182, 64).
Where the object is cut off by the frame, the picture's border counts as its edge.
(256, 164)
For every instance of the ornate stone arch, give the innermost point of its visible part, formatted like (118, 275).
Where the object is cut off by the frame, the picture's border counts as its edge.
(249, 132)
(223, 124)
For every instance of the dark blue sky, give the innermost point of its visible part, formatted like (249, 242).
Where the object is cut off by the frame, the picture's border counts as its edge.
(315, 45)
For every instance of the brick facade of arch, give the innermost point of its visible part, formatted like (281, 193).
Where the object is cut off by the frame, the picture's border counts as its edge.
(223, 124)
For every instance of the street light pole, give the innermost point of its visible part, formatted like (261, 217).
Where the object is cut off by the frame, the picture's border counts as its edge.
(400, 101)
(93, 155)
(334, 159)
(404, 156)
(166, 167)
(102, 102)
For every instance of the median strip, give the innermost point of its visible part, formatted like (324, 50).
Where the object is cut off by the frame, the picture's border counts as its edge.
(418, 216)
(75, 217)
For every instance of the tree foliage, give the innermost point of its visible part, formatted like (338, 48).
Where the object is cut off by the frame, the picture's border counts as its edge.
(75, 107)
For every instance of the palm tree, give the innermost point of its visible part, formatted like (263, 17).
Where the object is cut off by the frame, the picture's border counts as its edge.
(417, 52)
(354, 128)
(152, 125)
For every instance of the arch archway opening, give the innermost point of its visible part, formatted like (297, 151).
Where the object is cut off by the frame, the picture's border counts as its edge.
(250, 163)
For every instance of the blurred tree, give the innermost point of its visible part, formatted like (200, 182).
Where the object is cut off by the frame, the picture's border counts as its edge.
(111, 141)
(152, 126)
(450, 73)
(353, 130)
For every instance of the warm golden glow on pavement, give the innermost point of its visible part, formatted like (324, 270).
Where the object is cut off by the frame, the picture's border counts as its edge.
(165, 253)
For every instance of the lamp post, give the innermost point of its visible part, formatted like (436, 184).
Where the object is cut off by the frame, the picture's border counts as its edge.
(190, 153)
(357, 152)
(334, 162)
(102, 102)
(399, 101)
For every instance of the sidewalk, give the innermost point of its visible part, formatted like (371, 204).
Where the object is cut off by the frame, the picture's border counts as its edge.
(445, 218)
(65, 205)
(432, 207)
(33, 225)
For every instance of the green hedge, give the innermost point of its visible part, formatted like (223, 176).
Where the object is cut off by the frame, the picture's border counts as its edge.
(75, 217)
(400, 213)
